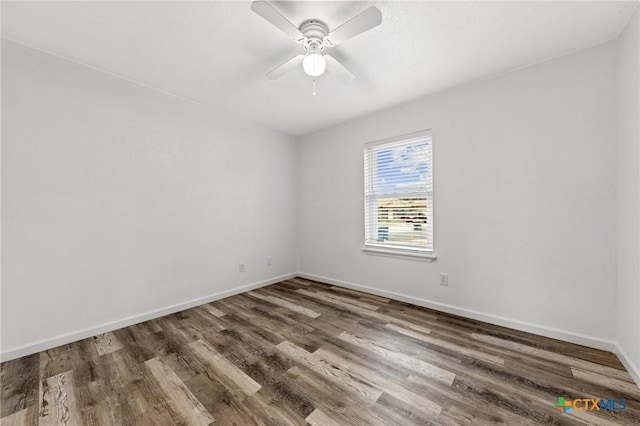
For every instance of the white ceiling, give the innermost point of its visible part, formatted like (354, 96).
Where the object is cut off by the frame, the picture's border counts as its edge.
(217, 53)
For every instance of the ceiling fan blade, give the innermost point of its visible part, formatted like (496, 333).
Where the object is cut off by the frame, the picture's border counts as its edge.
(335, 67)
(286, 67)
(267, 11)
(370, 18)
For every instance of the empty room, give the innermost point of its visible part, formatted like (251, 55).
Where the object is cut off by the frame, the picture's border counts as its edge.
(320, 213)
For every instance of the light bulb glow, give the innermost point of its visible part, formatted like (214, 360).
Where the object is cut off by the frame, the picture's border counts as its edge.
(314, 64)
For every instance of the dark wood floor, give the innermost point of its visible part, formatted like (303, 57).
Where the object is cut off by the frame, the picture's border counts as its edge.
(301, 352)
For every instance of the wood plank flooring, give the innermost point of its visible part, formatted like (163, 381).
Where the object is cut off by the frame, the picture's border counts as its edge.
(301, 352)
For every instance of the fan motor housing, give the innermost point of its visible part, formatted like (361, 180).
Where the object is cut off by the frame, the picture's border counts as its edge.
(314, 32)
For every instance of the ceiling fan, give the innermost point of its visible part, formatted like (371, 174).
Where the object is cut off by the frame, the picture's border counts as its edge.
(315, 37)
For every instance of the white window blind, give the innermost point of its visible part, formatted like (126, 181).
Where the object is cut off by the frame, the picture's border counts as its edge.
(398, 176)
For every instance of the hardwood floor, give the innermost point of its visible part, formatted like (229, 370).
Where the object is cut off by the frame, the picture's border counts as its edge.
(301, 352)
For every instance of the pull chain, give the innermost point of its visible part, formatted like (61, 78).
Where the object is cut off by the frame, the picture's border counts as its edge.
(314, 87)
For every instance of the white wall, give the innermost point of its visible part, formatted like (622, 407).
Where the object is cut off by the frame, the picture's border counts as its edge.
(525, 200)
(628, 318)
(120, 201)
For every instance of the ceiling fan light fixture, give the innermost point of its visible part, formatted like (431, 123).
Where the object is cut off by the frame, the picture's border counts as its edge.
(314, 36)
(314, 64)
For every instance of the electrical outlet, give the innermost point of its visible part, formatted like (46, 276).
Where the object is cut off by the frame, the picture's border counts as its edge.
(241, 267)
(269, 261)
(444, 279)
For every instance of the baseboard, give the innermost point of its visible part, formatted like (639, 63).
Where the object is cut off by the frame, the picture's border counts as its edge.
(64, 339)
(555, 333)
(631, 367)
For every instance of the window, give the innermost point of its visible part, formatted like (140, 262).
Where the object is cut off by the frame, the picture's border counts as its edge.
(398, 194)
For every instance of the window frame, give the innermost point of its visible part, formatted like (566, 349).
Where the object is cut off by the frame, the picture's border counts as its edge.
(390, 249)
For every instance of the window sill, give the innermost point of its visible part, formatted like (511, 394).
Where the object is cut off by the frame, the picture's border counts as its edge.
(423, 256)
